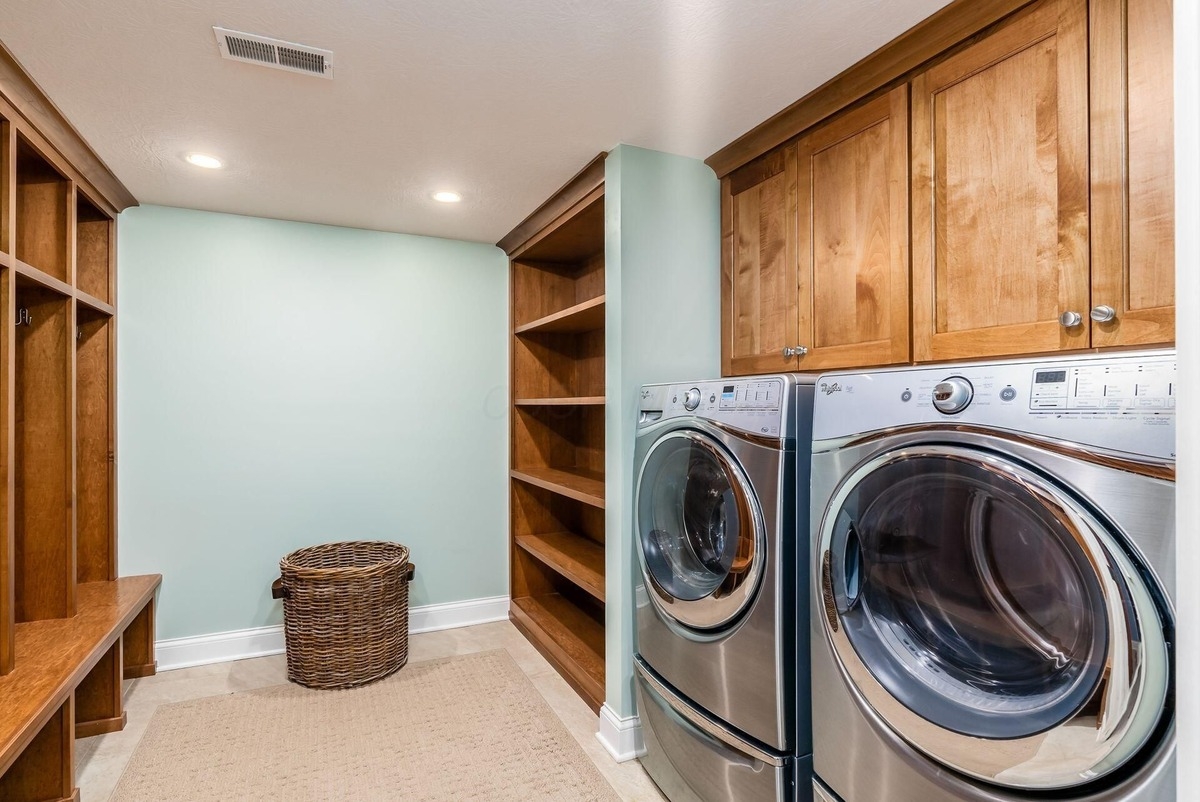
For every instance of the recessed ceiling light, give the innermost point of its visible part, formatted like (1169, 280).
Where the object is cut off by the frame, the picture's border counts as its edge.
(204, 160)
(447, 197)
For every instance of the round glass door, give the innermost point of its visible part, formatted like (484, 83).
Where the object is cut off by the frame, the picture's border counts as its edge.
(699, 531)
(971, 599)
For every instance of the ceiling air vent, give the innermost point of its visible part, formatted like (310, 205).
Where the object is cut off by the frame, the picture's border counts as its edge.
(275, 53)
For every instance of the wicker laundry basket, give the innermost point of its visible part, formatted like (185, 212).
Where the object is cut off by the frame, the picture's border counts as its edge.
(345, 612)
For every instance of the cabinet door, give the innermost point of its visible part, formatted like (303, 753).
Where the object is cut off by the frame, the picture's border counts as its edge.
(1000, 190)
(1133, 172)
(759, 266)
(853, 189)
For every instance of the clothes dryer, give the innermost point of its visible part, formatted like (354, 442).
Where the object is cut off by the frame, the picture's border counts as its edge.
(994, 581)
(720, 485)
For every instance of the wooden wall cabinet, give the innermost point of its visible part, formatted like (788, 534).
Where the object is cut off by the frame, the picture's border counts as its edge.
(1039, 194)
(1133, 171)
(557, 430)
(817, 248)
(67, 623)
(1000, 191)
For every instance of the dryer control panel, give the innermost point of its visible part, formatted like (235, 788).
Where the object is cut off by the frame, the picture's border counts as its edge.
(759, 405)
(1120, 403)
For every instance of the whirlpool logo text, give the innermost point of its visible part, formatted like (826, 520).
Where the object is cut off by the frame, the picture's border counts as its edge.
(830, 389)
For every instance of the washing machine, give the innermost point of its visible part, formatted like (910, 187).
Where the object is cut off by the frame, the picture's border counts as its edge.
(993, 581)
(720, 484)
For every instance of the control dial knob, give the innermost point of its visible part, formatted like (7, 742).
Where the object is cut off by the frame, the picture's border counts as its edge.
(691, 399)
(952, 395)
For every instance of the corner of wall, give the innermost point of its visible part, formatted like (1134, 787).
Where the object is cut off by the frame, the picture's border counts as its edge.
(622, 737)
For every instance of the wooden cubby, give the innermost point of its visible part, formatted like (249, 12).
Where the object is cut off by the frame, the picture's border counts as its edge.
(95, 504)
(70, 630)
(43, 448)
(43, 212)
(557, 427)
(93, 249)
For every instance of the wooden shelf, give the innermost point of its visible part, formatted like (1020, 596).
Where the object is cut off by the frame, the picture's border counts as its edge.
(572, 401)
(32, 275)
(556, 443)
(54, 656)
(95, 304)
(585, 486)
(568, 637)
(579, 559)
(586, 316)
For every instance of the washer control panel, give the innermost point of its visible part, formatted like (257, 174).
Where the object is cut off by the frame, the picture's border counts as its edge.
(757, 405)
(1122, 403)
(1092, 388)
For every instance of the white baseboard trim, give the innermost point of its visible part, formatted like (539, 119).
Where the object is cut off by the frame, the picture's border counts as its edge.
(241, 644)
(622, 737)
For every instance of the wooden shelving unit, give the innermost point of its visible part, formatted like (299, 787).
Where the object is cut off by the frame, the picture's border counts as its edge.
(558, 405)
(70, 630)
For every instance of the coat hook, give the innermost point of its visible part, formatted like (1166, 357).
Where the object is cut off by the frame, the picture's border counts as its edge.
(23, 317)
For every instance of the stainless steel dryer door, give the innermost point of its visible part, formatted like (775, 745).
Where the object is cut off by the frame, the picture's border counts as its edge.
(700, 531)
(971, 600)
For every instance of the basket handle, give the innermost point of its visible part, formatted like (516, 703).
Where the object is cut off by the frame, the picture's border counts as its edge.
(278, 591)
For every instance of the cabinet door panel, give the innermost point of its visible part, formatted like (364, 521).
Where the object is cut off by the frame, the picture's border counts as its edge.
(760, 267)
(853, 184)
(1133, 171)
(1000, 192)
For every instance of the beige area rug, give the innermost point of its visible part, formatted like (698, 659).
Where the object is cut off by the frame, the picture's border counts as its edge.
(468, 727)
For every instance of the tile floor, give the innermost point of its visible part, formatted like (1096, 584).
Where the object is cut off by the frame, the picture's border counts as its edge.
(101, 760)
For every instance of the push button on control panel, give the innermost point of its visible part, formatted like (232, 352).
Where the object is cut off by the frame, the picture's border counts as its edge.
(1008, 394)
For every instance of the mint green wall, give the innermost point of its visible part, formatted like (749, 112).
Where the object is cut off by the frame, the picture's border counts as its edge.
(663, 312)
(283, 384)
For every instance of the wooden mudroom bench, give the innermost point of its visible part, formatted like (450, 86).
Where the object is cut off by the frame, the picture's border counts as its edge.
(66, 684)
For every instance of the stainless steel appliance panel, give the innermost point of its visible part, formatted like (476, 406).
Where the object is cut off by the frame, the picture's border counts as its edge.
(694, 758)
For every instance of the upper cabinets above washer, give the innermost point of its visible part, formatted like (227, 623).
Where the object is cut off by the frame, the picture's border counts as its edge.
(1011, 194)
(816, 253)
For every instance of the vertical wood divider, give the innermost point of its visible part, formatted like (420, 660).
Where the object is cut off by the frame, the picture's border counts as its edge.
(98, 700)
(8, 177)
(138, 644)
(46, 769)
(7, 520)
(112, 417)
(8, 187)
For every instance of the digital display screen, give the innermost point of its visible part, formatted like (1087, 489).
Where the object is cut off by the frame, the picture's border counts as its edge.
(1050, 377)
(727, 390)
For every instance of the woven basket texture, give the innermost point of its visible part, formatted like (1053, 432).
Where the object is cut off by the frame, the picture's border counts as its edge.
(345, 612)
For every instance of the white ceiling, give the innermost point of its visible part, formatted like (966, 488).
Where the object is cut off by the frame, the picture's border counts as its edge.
(501, 101)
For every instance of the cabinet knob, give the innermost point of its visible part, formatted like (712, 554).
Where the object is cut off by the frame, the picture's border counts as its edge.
(790, 352)
(1070, 320)
(1102, 313)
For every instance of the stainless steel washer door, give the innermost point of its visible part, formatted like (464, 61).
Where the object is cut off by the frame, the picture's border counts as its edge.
(700, 531)
(971, 600)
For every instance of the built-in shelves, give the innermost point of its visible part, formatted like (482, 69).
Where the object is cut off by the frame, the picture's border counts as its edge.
(575, 557)
(70, 630)
(581, 485)
(571, 639)
(570, 401)
(585, 316)
(557, 438)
